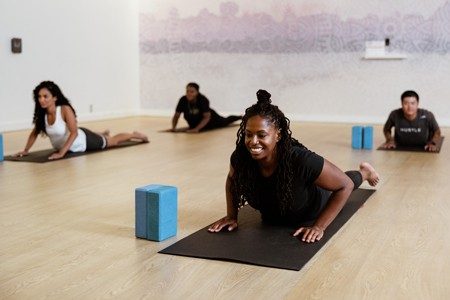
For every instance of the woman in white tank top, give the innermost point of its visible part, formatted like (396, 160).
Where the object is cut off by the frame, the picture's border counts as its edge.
(55, 117)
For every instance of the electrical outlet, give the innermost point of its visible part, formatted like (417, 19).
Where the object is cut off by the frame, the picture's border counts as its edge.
(91, 108)
(16, 45)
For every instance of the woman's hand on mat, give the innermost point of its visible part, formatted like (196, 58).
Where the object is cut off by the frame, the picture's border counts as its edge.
(21, 153)
(310, 234)
(56, 155)
(430, 147)
(389, 145)
(225, 221)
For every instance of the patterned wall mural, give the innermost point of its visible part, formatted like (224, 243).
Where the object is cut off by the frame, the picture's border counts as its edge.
(308, 54)
(232, 32)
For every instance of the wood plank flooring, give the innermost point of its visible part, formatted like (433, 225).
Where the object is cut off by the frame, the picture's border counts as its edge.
(67, 227)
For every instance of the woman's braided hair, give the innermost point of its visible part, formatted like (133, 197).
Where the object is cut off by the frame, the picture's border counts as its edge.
(246, 169)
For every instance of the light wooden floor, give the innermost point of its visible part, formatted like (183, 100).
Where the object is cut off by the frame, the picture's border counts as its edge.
(67, 227)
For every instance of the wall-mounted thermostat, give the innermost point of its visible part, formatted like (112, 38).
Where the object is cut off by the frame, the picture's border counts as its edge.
(16, 45)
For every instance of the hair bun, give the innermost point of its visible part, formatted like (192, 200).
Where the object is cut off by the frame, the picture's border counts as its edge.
(263, 97)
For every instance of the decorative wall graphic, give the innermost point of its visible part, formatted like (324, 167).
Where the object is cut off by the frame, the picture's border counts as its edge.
(309, 54)
(229, 32)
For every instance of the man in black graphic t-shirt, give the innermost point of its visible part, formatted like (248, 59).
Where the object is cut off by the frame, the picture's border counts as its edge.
(196, 111)
(413, 126)
(193, 112)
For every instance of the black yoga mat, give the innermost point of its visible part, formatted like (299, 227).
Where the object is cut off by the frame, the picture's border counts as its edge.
(261, 244)
(42, 155)
(415, 149)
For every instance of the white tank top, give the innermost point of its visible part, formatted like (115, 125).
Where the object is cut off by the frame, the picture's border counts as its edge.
(59, 133)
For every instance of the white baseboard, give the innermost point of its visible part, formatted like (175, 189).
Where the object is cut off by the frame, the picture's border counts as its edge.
(108, 115)
(351, 119)
(156, 112)
(336, 119)
(169, 113)
(26, 124)
(16, 125)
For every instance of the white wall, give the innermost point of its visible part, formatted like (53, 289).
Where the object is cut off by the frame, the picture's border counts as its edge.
(307, 86)
(88, 47)
(91, 49)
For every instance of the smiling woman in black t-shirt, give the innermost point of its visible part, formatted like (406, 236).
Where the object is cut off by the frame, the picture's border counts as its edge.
(286, 182)
(196, 111)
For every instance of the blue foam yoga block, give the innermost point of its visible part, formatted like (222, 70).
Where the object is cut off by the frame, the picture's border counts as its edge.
(368, 137)
(156, 212)
(357, 137)
(1, 147)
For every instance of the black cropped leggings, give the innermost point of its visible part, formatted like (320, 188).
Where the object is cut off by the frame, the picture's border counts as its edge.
(308, 216)
(218, 121)
(356, 177)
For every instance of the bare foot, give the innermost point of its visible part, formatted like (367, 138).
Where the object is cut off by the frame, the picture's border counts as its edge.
(140, 136)
(369, 173)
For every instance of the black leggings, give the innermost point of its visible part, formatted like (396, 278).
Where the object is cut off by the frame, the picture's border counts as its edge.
(94, 141)
(294, 219)
(355, 176)
(218, 121)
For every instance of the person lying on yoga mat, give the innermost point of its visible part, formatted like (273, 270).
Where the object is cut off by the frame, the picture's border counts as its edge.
(198, 114)
(413, 126)
(289, 184)
(55, 117)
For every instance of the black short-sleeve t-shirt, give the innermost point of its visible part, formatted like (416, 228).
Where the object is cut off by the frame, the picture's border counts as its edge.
(308, 199)
(193, 112)
(417, 132)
